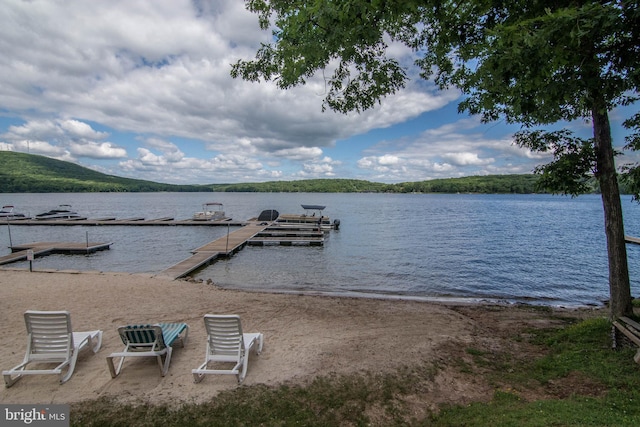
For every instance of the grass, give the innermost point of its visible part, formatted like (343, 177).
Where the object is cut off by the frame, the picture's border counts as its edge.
(578, 378)
(327, 401)
(602, 385)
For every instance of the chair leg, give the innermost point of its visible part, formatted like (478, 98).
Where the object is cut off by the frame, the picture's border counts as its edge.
(184, 338)
(98, 344)
(245, 364)
(164, 368)
(10, 380)
(71, 366)
(113, 370)
(198, 377)
(260, 343)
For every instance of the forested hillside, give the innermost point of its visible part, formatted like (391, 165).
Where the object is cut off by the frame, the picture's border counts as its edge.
(522, 184)
(29, 173)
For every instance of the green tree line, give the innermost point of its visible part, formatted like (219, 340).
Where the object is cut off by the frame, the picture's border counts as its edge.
(29, 173)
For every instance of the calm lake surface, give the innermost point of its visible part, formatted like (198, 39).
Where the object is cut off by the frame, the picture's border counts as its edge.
(537, 249)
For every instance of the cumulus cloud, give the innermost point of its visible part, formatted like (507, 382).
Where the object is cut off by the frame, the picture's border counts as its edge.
(299, 153)
(144, 87)
(160, 69)
(450, 150)
(78, 129)
(466, 159)
(96, 150)
(67, 140)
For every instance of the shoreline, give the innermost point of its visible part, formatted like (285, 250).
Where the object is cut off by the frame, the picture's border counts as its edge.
(306, 336)
(525, 301)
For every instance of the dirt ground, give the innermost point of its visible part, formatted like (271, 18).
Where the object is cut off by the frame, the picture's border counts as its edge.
(305, 336)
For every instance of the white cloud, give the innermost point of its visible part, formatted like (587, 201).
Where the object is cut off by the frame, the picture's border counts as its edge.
(299, 153)
(389, 160)
(161, 69)
(155, 73)
(96, 150)
(453, 149)
(75, 128)
(66, 140)
(466, 159)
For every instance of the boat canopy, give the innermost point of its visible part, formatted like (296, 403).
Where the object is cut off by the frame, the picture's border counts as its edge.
(313, 207)
(268, 215)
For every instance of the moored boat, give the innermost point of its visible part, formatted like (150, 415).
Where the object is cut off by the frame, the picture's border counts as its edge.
(212, 211)
(8, 213)
(312, 216)
(61, 212)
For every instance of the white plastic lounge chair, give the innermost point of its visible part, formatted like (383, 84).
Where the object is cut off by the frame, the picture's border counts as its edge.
(51, 340)
(227, 343)
(149, 341)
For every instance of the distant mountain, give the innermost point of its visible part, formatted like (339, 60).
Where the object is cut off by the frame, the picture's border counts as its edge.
(30, 173)
(489, 184)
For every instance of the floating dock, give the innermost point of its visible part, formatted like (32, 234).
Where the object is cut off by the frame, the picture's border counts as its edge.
(630, 239)
(251, 232)
(289, 235)
(20, 252)
(254, 233)
(138, 221)
(222, 247)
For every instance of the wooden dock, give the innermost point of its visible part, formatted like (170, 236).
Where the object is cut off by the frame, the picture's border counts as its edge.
(630, 239)
(20, 252)
(137, 221)
(250, 232)
(288, 235)
(222, 247)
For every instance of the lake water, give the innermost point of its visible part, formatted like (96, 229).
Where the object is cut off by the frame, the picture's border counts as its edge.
(538, 249)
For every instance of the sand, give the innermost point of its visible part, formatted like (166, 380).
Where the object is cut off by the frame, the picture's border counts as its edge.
(305, 335)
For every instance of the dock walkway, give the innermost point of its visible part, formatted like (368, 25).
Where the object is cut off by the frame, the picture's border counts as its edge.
(20, 252)
(287, 235)
(252, 232)
(630, 239)
(224, 246)
(136, 221)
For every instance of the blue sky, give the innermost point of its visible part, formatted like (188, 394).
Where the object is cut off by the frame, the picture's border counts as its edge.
(141, 89)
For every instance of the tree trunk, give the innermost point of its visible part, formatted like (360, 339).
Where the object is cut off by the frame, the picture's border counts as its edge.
(619, 287)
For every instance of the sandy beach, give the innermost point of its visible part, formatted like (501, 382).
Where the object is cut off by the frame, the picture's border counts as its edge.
(305, 336)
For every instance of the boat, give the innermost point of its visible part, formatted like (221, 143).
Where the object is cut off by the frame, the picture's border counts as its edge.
(61, 212)
(212, 211)
(312, 216)
(7, 213)
(268, 215)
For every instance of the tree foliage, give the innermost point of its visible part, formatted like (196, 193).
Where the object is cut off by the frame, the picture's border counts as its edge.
(574, 161)
(530, 62)
(29, 173)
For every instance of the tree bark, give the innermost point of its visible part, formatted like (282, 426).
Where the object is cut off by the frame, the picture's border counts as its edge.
(619, 286)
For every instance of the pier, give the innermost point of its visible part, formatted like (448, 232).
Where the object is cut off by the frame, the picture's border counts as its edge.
(21, 252)
(288, 235)
(137, 221)
(630, 239)
(251, 232)
(222, 247)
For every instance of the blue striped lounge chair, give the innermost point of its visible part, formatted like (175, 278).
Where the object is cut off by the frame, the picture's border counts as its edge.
(149, 341)
(227, 344)
(51, 340)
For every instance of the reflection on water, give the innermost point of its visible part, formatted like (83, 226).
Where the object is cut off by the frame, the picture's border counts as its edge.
(539, 248)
